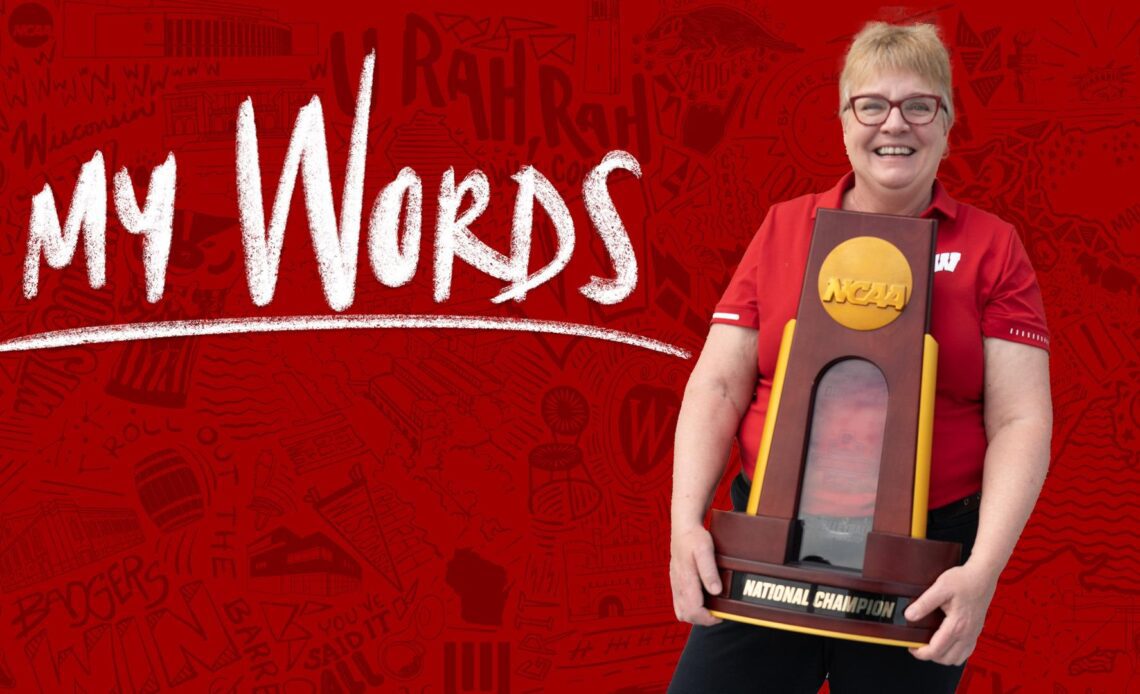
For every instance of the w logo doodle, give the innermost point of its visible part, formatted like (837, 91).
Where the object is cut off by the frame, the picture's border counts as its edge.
(649, 417)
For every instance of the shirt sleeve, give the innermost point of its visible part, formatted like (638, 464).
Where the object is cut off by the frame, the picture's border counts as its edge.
(738, 305)
(1014, 310)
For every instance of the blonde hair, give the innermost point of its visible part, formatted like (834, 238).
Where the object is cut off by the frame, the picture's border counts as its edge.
(882, 47)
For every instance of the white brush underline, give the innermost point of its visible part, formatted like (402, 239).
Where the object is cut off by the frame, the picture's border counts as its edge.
(125, 332)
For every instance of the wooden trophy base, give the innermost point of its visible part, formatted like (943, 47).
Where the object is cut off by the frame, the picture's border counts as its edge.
(760, 588)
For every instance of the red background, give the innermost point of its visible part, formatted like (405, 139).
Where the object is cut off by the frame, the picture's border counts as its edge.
(488, 511)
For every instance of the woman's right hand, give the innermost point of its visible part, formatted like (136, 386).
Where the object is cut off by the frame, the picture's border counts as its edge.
(692, 564)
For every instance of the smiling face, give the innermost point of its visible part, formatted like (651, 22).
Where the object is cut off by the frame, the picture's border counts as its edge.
(894, 160)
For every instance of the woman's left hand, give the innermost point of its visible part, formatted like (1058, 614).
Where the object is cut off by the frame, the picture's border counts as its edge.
(964, 594)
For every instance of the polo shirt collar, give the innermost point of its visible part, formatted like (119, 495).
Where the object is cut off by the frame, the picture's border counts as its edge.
(940, 200)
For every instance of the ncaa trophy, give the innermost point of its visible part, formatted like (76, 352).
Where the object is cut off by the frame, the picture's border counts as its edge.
(833, 538)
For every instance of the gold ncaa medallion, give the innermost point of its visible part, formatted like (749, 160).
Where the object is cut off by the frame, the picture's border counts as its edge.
(864, 283)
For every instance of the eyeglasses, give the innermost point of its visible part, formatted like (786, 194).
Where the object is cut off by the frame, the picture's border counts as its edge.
(873, 109)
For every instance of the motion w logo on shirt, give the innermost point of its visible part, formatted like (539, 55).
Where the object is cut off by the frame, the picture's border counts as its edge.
(946, 261)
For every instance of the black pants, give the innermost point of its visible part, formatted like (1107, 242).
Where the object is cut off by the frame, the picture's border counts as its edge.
(735, 657)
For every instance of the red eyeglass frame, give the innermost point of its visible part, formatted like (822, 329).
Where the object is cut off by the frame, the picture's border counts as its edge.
(896, 104)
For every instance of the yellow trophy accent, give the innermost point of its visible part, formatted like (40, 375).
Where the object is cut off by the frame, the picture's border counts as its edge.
(925, 437)
(770, 417)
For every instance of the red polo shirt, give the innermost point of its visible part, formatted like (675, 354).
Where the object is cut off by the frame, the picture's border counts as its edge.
(984, 285)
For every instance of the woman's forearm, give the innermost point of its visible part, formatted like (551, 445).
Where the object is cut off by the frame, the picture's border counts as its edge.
(719, 391)
(1017, 460)
(706, 426)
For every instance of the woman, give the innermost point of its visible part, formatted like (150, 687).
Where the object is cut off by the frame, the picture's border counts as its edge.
(896, 112)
